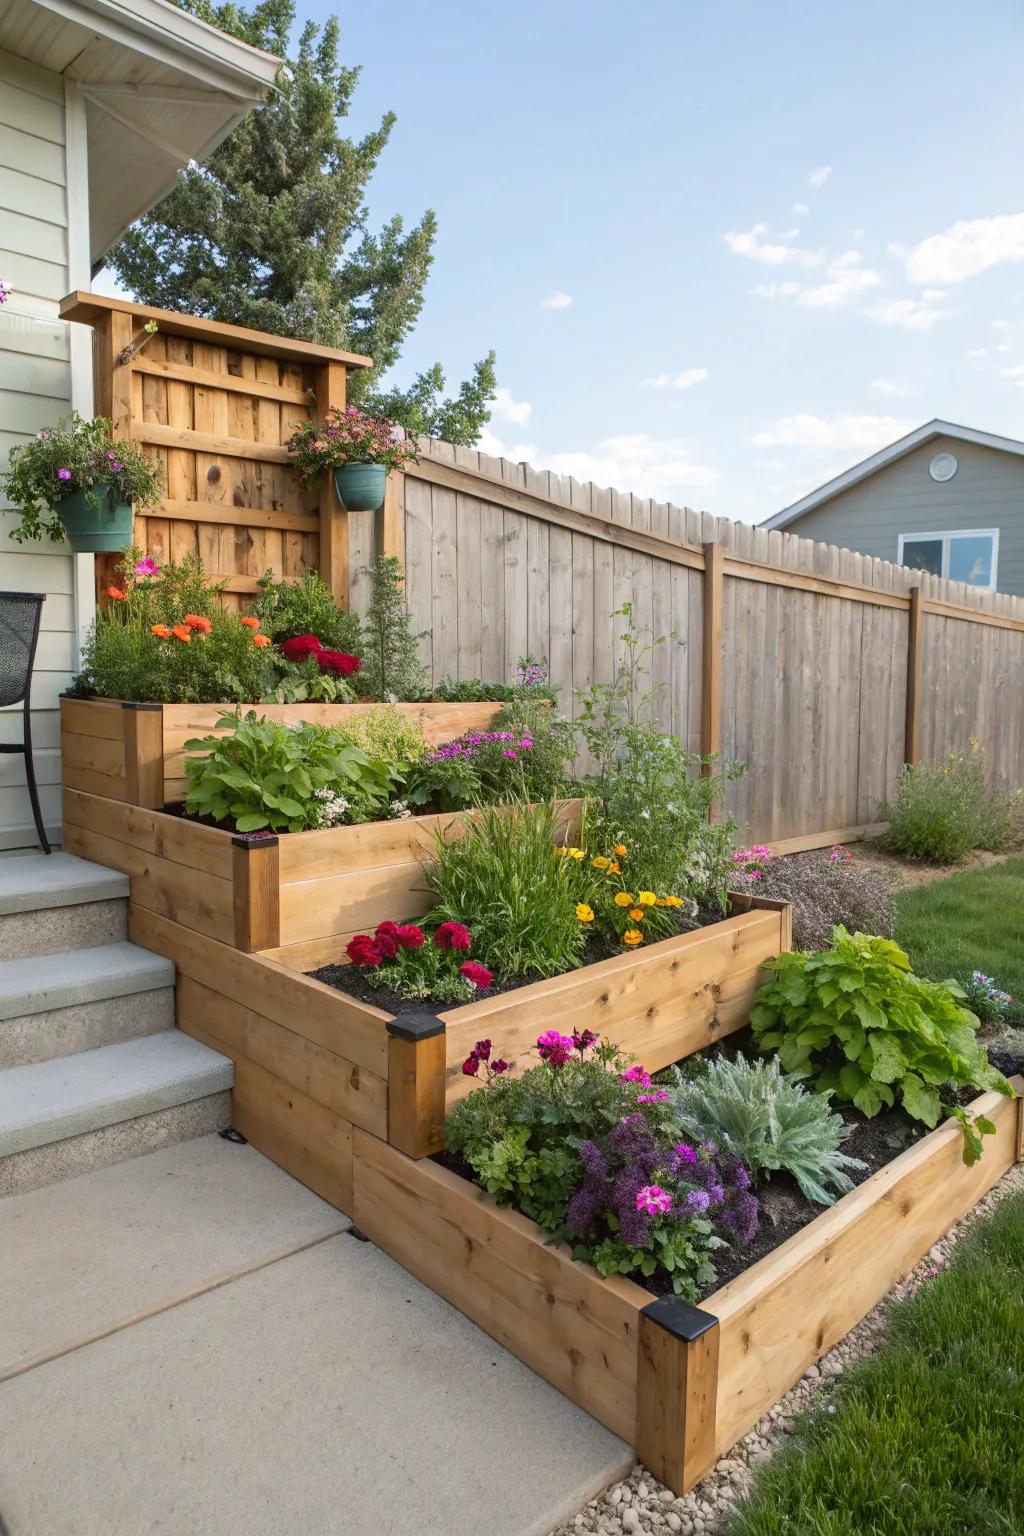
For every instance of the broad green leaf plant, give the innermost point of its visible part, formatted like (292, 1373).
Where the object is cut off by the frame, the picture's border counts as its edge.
(857, 1023)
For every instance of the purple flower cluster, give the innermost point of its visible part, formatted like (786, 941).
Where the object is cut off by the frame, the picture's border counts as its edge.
(531, 674)
(5, 291)
(633, 1177)
(467, 747)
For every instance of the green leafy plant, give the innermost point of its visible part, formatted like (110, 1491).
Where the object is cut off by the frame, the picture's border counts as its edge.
(856, 1022)
(769, 1121)
(347, 435)
(391, 664)
(526, 756)
(75, 455)
(306, 607)
(942, 811)
(279, 778)
(304, 682)
(163, 638)
(531, 682)
(503, 879)
(386, 733)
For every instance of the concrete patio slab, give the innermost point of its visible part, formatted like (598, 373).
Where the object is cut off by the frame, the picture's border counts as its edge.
(328, 1394)
(91, 1254)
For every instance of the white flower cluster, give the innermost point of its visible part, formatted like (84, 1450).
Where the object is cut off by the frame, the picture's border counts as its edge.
(333, 807)
(399, 811)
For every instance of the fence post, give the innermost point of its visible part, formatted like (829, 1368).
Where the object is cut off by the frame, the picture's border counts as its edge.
(329, 388)
(677, 1392)
(915, 657)
(711, 662)
(112, 397)
(390, 519)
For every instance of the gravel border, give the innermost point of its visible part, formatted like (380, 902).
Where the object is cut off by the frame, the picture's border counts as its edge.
(641, 1503)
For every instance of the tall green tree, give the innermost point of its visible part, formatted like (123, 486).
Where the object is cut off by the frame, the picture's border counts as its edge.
(272, 232)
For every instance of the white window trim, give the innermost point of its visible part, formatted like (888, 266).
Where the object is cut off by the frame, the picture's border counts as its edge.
(79, 277)
(946, 534)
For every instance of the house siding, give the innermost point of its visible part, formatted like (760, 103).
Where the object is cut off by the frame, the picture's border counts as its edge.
(35, 390)
(986, 492)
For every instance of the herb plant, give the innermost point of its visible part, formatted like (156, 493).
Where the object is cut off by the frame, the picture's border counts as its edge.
(769, 1121)
(857, 1023)
(391, 664)
(266, 776)
(75, 455)
(941, 811)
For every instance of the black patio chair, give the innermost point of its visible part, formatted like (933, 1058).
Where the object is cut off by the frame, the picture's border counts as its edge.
(20, 613)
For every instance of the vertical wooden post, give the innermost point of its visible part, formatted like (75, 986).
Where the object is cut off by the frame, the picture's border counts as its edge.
(711, 665)
(677, 1392)
(390, 519)
(416, 1081)
(113, 399)
(915, 659)
(143, 735)
(329, 389)
(257, 893)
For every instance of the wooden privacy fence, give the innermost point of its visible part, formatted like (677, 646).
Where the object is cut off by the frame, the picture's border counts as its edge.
(820, 669)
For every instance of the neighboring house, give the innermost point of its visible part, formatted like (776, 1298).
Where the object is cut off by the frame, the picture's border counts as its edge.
(102, 102)
(944, 499)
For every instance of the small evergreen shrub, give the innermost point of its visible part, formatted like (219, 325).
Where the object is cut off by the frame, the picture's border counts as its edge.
(943, 811)
(391, 665)
(769, 1121)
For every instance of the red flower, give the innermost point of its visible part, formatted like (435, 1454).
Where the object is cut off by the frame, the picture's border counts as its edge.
(471, 1066)
(499, 1065)
(386, 944)
(338, 662)
(362, 950)
(409, 936)
(480, 976)
(453, 936)
(301, 646)
(482, 1049)
(387, 926)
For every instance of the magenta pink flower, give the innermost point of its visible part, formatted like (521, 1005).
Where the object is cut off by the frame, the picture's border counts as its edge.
(554, 1048)
(658, 1096)
(636, 1075)
(653, 1199)
(147, 567)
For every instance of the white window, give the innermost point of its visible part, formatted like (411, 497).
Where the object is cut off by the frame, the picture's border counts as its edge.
(969, 555)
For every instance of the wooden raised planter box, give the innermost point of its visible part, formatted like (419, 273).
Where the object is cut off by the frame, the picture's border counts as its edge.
(301, 895)
(135, 753)
(681, 1384)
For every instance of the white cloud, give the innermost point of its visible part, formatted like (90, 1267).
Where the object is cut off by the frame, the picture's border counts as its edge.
(1004, 346)
(648, 466)
(556, 300)
(845, 432)
(889, 387)
(683, 380)
(846, 279)
(978, 352)
(818, 178)
(911, 314)
(507, 409)
(775, 253)
(1000, 325)
(1016, 373)
(967, 248)
(801, 208)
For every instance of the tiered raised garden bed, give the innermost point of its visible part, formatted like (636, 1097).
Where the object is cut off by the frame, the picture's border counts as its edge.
(135, 753)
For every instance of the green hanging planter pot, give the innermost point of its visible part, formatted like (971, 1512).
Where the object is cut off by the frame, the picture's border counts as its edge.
(95, 521)
(361, 487)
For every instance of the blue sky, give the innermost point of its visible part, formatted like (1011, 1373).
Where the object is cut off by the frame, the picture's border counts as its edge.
(863, 158)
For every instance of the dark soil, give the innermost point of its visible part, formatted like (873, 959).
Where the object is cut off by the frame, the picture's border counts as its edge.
(361, 983)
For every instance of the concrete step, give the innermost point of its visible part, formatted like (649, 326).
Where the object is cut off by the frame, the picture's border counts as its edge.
(63, 1117)
(80, 1000)
(56, 902)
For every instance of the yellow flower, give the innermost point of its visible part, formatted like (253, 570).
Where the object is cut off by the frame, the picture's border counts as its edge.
(576, 853)
(637, 914)
(621, 850)
(561, 850)
(613, 868)
(623, 899)
(632, 936)
(600, 862)
(662, 901)
(974, 744)
(673, 901)
(584, 913)
(647, 898)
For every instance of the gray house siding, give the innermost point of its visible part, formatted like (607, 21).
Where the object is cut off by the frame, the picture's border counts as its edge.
(986, 492)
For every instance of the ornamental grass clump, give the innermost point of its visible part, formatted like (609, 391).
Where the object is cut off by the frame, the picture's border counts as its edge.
(771, 1122)
(824, 888)
(943, 811)
(503, 879)
(857, 1023)
(581, 1145)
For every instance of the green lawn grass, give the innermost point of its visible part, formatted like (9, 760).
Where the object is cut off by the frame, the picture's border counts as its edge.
(926, 1438)
(973, 921)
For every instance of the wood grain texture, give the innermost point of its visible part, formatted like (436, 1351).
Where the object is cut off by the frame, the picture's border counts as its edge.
(416, 1110)
(677, 1391)
(257, 894)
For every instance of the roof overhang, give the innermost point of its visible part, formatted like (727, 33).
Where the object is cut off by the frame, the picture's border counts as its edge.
(160, 89)
(889, 455)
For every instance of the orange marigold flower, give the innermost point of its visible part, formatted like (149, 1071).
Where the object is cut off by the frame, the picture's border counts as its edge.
(621, 850)
(261, 639)
(181, 632)
(614, 868)
(637, 914)
(198, 621)
(632, 936)
(250, 621)
(116, 593)
(160, 630)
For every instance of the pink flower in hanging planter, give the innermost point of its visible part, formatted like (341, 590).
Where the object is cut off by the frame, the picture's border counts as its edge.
(5, 291)
(63, 474)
